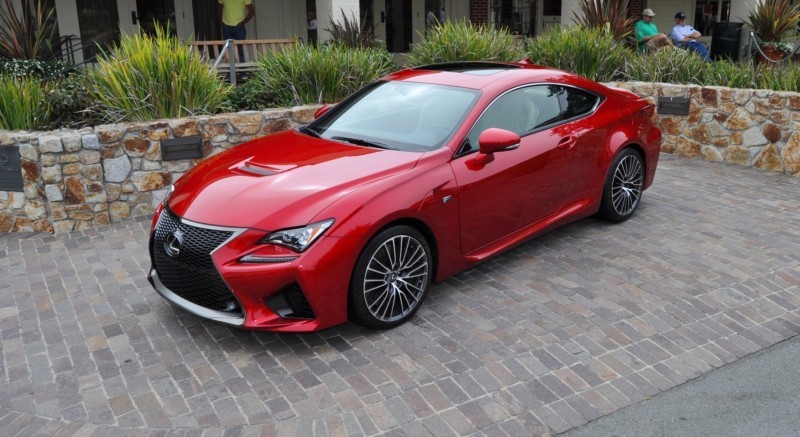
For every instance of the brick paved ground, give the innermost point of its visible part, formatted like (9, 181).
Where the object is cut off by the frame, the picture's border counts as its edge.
(558, 332)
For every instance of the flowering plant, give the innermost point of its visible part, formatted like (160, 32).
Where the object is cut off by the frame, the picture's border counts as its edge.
(782, 46)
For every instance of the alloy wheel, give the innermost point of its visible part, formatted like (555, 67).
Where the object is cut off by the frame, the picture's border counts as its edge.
(396, 278)
(626, 189)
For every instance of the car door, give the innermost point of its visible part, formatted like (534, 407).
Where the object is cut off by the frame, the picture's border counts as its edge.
(520, 186)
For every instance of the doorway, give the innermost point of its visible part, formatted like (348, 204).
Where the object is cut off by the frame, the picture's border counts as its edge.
(98, 23)
(144, 15)
(205, 21)
(399, 18)
(152, 13)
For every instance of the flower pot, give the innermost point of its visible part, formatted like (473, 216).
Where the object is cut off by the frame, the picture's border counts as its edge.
(771, 53)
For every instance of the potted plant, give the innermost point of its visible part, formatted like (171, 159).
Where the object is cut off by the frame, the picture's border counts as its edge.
(777, 50)
(770, 21)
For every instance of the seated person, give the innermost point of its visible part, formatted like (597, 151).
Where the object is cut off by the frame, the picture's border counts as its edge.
(685, 36)
(647, 34)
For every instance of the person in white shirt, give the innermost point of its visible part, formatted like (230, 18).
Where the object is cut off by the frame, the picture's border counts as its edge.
(684, 35)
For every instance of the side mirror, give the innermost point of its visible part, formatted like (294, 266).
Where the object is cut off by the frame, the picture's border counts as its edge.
(321, 111)
(495, 140)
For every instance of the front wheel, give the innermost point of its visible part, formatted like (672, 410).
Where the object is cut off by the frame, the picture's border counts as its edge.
(623, 186)
(391, 278)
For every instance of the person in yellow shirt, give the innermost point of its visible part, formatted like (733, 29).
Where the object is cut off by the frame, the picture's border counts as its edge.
(232, 16)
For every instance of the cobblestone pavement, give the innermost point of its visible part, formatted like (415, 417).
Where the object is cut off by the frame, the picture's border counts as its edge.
(570, 327)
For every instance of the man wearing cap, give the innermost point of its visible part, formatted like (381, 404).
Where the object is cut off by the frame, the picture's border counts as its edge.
(647, 34)
(686, 36)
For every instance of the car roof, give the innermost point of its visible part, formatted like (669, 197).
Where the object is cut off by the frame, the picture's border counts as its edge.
(483, 75)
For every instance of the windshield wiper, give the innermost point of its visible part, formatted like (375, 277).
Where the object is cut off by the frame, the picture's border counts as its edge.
(309, 131)
(363, 142)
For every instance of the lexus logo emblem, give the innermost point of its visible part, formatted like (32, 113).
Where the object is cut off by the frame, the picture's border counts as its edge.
(172, 245)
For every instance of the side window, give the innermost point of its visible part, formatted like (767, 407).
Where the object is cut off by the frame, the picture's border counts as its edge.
(519, 111)
(546, 97)
(576, 102)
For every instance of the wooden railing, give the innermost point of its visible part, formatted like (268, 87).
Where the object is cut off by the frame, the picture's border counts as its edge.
(238, 56)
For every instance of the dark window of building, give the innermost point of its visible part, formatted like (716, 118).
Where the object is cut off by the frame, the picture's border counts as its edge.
(99, 24)
(519, 17)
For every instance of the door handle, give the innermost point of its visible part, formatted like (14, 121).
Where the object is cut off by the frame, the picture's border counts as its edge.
(567, 143)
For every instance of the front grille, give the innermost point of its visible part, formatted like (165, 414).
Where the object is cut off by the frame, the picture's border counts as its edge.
(191, 274)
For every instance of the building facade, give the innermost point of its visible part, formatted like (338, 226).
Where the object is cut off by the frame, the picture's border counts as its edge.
(398, 22)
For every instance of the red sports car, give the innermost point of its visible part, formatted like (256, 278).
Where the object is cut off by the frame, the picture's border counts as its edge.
(412, 179)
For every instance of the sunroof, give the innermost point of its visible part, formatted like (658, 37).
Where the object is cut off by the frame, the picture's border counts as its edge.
(476, 68)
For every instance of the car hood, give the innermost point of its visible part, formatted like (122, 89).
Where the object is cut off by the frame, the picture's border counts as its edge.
(280, 181)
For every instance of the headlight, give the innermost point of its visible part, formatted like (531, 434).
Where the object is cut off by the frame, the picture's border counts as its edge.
(298, 239)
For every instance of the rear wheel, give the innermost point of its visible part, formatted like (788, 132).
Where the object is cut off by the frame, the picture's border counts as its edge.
(623, 186)
(391, 278)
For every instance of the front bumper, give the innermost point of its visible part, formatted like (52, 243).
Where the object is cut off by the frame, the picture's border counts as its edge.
(252, 295)
(206, 313)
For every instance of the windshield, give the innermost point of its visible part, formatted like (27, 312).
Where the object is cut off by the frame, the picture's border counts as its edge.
(398, 115)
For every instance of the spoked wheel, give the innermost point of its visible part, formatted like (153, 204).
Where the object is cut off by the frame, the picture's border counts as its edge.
(391, 278)
(623, 186)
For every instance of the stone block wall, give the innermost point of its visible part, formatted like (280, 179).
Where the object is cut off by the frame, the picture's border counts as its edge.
(757, 128)
(79, 179)
(76, 179)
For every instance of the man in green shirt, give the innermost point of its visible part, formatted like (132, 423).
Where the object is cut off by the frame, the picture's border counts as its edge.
(647, 34)
(233, 15)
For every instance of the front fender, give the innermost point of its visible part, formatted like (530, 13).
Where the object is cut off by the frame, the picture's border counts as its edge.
(427, 195)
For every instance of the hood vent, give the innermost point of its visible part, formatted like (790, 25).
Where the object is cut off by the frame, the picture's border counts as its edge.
(260, 171)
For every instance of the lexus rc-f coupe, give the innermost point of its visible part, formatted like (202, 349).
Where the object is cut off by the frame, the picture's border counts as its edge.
(414, 178)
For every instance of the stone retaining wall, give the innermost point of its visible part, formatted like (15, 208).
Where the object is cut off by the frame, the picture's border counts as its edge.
(757, 128)
(78, 179)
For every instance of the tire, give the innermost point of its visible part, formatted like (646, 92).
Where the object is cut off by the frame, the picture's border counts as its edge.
(622, 190)
(391, 278)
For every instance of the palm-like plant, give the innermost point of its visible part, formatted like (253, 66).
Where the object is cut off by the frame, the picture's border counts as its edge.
(349, 33)
(26, 34)
(611, 15)
(772, 19)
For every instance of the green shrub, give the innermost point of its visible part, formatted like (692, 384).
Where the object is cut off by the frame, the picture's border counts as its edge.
(23, 103)
(589, 52)
(456, 41)
(252, 94)
(31, 67)
(729, 74)
(71, 104)
(672, 66)
(326, 73)
(780, 78)
(154, 76)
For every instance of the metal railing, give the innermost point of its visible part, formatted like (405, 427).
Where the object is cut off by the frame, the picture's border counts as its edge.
(228, 49)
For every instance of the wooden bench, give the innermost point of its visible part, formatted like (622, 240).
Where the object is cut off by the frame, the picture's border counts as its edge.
(218, 53)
